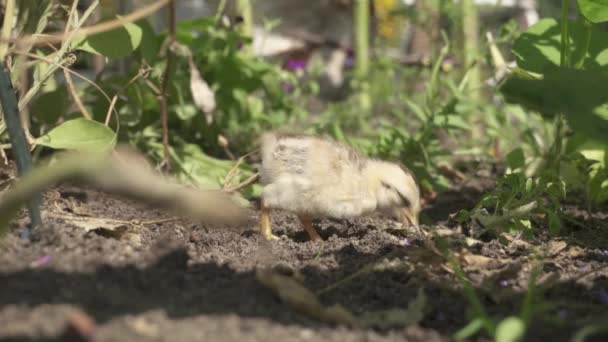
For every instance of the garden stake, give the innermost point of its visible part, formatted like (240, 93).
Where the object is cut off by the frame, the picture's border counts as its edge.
(19, 144)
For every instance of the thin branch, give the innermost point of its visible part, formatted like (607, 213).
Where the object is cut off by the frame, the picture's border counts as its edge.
(60, 66)
(7, 27)
(55, 62)
(110, 109)
(66, 74)
(244, 184)
(74, 93)
(165, 85)
(57, 37)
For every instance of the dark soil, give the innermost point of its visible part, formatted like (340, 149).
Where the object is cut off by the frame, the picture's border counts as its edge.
(172, 280)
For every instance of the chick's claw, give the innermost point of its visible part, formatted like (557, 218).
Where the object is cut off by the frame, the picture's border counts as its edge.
(265, 227)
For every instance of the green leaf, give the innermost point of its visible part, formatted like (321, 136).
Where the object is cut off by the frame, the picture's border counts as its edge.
(49, 106)
(79, 134)
(539, 47)
(516, 159)
(117, 43)
(580, 95)
(472, 328)
(596, 11)
(150, 42)
(510, 329)
(555, 224)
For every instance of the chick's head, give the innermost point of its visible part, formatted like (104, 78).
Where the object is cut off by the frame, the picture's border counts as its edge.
(396, 190)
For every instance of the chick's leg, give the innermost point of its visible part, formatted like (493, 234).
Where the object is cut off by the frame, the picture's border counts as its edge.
(307, 223)
(265, 227)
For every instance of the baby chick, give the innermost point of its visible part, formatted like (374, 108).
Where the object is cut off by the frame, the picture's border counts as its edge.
(316, 178)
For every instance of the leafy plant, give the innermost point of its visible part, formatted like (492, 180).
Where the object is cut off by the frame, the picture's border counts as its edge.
(561, 74)
(515, 203)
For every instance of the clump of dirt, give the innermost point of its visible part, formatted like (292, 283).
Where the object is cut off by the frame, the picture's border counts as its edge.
(165, 278)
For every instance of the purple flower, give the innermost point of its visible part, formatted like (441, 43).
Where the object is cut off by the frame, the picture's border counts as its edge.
(503, 283)
(296, 64)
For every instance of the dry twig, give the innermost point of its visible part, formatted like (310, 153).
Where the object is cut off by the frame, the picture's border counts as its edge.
(165, 85)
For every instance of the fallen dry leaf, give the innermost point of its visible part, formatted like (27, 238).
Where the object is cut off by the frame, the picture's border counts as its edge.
(109, 228)
(480, 261)
(305, 301)
(555, 247)
(397, 317)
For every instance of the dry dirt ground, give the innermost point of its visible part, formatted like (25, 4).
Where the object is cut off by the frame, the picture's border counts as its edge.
(156, 278)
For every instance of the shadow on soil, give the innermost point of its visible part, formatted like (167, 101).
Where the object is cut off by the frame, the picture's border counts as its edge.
(210, 289)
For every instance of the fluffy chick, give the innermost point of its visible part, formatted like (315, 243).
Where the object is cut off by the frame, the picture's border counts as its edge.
(316, 178)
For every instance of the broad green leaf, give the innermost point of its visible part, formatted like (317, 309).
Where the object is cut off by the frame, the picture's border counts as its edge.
(150, 42)
(516, 159)
(79, 134)
(510, 329)
(580, 95)
(596, 11)
(49, 106)
(117, 43)
(539, 47)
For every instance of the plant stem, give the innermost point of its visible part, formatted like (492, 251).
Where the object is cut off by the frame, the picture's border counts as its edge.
(470, 28)
(361, 22)
(361, 14)
(564, 63)
(471, 295)
(164, 111)
(588, 33)
(245, 10)
(7, 26)
(565, 38)
(220, 11)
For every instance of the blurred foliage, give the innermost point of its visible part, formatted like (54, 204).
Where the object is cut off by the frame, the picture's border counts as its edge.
(546, 121)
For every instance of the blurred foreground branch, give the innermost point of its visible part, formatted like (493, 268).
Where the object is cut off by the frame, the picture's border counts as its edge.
(124, 174)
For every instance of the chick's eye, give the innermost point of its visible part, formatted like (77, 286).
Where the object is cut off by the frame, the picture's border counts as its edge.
(403, 199)
(386, 186)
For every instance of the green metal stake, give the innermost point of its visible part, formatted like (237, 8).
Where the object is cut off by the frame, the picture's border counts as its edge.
(20, 147)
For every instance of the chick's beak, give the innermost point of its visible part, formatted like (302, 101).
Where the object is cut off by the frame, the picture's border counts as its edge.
(408, 217)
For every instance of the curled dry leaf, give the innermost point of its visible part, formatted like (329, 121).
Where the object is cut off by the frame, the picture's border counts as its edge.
(302, 299)
(203, 96)
(109, 228)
